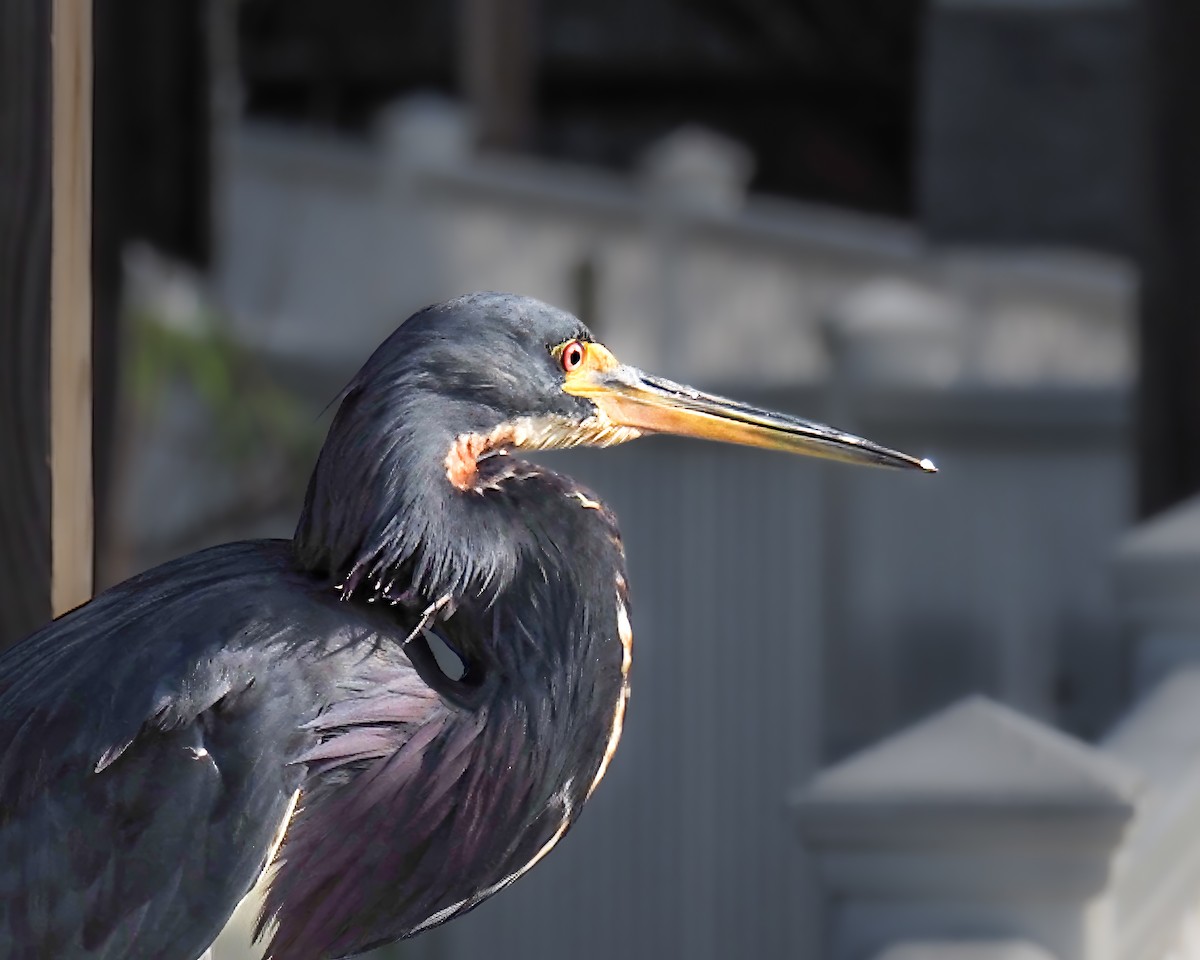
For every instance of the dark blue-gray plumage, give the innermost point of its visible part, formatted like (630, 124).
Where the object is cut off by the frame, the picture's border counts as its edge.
(282, 704)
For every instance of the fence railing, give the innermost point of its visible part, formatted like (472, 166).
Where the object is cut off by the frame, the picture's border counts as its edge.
(980, 824)
(675, 247)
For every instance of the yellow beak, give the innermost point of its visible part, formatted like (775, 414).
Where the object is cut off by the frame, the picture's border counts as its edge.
(630, 398)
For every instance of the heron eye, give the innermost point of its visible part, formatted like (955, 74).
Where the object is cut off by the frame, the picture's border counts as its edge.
(572, 355)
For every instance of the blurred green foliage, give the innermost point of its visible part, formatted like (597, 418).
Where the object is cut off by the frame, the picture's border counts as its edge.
(252, 417)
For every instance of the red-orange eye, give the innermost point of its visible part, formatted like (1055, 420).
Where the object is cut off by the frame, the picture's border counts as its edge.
(573, 354)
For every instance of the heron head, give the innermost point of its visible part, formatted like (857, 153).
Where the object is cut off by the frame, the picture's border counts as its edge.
(470, 380)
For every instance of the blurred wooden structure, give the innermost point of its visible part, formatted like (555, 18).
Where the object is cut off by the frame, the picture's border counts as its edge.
(498, 42)
(1169, 414)
(823, 91)
(45, 306)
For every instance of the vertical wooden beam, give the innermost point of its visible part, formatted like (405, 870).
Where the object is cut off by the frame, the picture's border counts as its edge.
(71, 308)
(497, 48)
(1169, 387)
(42, 201)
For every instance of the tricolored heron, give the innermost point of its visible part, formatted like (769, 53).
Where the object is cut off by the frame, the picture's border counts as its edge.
(281, 704)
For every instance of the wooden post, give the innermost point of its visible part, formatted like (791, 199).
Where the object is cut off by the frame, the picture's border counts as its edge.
(71, 309)
(496, 53)
(1169, 389)
(45, 386)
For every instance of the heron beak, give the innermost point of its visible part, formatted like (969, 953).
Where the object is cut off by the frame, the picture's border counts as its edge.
(631, 398)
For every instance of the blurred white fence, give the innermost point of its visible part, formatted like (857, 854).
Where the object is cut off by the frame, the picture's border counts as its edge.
(328, 242)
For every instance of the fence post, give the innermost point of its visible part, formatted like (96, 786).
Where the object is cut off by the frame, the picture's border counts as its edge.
(977, 823)
(1157, 569)
(690, 175)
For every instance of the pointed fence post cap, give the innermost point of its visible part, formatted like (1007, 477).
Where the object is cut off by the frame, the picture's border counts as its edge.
(965, 950)
(976, 771)
(968, 822)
